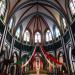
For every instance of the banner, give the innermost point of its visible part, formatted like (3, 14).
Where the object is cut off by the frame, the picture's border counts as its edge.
(48, 56)
(30, 58)
(24, 57)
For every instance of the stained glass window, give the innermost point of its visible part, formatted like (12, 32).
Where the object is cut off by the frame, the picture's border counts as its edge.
(57, 32)
(2, 7)
(10, 23)
(26, 36)
(37, 37)
(64, 22)
(72, 6)
(17, 33)
(48, 36)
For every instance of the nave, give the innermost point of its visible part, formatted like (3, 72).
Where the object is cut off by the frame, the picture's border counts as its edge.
(37, 37)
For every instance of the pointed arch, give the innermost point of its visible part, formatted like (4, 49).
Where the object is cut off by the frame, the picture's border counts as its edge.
(2, 7)
(48, 36)
(10, 23)
(64, 22)
(37, 37)
(57, 32)
(26, 36)
(72, 6)
(17, 34)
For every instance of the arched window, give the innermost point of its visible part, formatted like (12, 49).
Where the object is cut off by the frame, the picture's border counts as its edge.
(10, 23)
(2, 7)
(17, 33)
(48, 36)
(64, 22)
(57, 32)
(26, 36)
(37, 37)
(72, 6)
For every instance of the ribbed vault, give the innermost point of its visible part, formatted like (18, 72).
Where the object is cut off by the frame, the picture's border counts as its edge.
(37, 15)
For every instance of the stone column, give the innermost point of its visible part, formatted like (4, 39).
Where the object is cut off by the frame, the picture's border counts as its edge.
(66, 57)
(3, 37)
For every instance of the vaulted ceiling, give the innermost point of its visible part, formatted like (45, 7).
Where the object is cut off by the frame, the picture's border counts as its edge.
(47, 13)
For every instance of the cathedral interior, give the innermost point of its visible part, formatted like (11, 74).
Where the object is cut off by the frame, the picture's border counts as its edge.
(37, 37)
